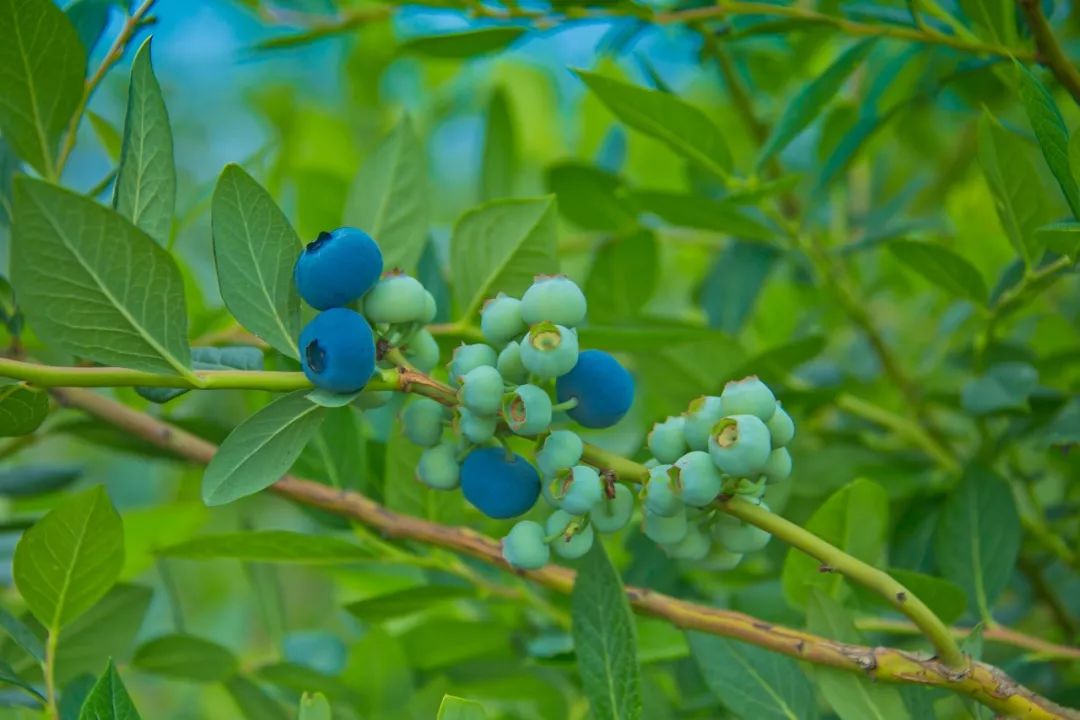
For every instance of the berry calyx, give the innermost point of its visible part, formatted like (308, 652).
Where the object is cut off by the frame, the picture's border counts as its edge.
(498, 483)
(573, 538)
(603, 388)
(740, 445)
(528, 410)
(337, 351)
(554, 298)
(549, 350)
(337, 268)
(525, 547)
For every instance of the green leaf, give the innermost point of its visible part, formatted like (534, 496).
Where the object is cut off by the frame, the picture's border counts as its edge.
(30, 480)
(646, 334)
(107, 135)
(403, 493)
(1061, 238)
(702, 213)
(944, 597)
(255, 249)
(943, 267)
(444, 643)
(751, 682)
(270, 546)
(623, 278)
(852, 696)
(22, 409)
(146, 178)
(185, 657)
(406, 602)
(314, 707)
(683, 127)
(808, 103)
(95, 285)
(500, 162)
(8, 676)
(1004, 386)
(1050, 130)
(44, 64)
(468, 43)
(108, 629)
(109, 699)
(456, 708)
(302, 678)
(605, 640)
(1013, 184)
(209, 358)
(733, 284)
(9, 165)
(855, 519)
(501, 246)
(253, 701)
(978, 537)
(70, 558)
(590, 197)
(23, 636)
(389, 198)
(89, 18)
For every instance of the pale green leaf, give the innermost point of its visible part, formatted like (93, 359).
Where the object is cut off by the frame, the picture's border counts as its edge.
(1004, 386)
(703, 213)
(108, 629)
(109, 699)
(943, 267)
(499, 165)
(406, 602)
(457, 708)
(269, 546)
(253, 701)
(185, 657)
(465, 44)
(623, 278)
(23, 636)
(1061, 237)
(22, 409)
(591, 198)
(109, 137)
(314, 706)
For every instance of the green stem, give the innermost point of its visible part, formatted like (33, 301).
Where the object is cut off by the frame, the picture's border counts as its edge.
(51, 707)
(901, 426)
(1050, 52)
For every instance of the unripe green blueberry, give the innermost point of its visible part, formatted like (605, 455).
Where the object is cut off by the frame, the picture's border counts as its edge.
(781, 427)
(720, 559)
(749, 396)
(422, 350)
(422, 420)
(510, 365)
(583, 490)
(468, 357)
(778, 466)
(666, 440)
(558, 522)
(372, 399)
(431, 308)
(739, 445)
(500, 320)
(554, 298)
(663, 492)
(651, 463)
(475, 428)
(739, 537)
(561, 450)
(665, 530)
(396, 299)
(694, 546)
(701, 481)
(574, 538)
(612, 514)
(528, 410)
(438, 467)
(525, 546)
(549, 350)
(703, 413)
(482, 390)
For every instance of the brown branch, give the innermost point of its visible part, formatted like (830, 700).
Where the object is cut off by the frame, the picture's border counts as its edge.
(1050, 53)
(979, 681)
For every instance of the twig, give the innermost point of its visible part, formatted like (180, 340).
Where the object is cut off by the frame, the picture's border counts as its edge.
(996, 634)
(1050, 52)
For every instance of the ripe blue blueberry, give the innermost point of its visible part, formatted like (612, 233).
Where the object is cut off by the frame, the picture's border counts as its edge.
(612, 514)
(396, 299)
(438, 467)
(583, 490)
(777, 466)
(525, 547)
(528, 410)
(549, 350)
(739, 537)
(337, 350)
(476, 428)
(702, 414)
(694, 546)
(739, 445)
(561, 450)
(422, 350)
(500, 320)
(510, 365)
(337, 268)
(498, 483)
(663, 492)
(554, 298)
(749, 396)
(422, 420)
(665, 530)
(482, 390)
(467, 357)
(572, 542)
(603, 388)
(781, 427)
(701, 481)
(666, 440)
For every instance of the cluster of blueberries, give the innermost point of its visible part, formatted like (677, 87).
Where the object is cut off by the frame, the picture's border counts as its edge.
(528, 376)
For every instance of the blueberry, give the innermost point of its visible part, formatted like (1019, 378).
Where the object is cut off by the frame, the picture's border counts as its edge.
(665, 530)
(666, 440)
(603, 388)
(528, 410)
(438, 467)
(702, 414)
(663, 492)
(422, 421)
(500, 320)
(749, 396)
(701, 481)
(422, 350)
(476, 428)
(612, 514)
(482, 390)
(561, 450)
(583, 490)
(337, 268)
(510, 365)
(337, 351)
(524, 547)
(574, 546)
(739, 537)
(781, 428)
(396, 299)
(739, 445)
(549, 351)
(498, 483)
(694, 546)
(720, 558)
(777, 466)
(467, 357)
(554, 298)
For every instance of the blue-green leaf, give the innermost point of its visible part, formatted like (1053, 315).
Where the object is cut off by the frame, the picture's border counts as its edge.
(209, 358)
(22, 408)
(943, 267)
(1005, 386)
(499, 165)
(185, 657)
(465, 44)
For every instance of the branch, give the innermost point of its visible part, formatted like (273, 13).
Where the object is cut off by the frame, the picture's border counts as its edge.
(979, 681)
(1050, 52)
(996, 633)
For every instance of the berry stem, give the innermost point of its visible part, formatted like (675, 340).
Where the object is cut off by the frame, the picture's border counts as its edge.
(565, 405)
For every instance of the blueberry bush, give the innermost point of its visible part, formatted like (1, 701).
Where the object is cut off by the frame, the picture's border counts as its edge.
(612, 359)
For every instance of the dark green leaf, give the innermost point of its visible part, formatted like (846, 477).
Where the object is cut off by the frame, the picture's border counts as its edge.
(22, 409)
(605, 640)
(109, 699)
(89, 18)
(30, 480)
(645, 335)
(1050, 130)
(733, 284)
(456, 708)
(106, 630)
(209, 358)
(591, 198)
(406, 602)
(623, 278)
(1061, 238)
(95, 285)
(942, 267)
(695, 211)
(255, 249)
(73, 694)
(185, 657)
(253, 701)
(8, 676)
(270, 546)
(1005, 386)
(9, 165)
(777, 362)
(499, 165)
(314, 707)
(462, 44)
(23, 636)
